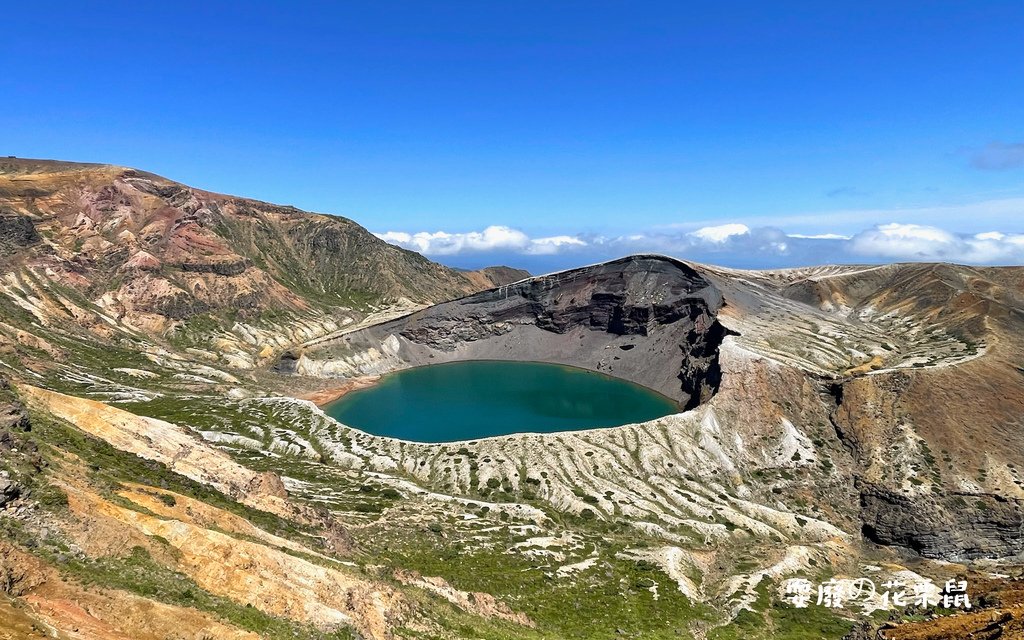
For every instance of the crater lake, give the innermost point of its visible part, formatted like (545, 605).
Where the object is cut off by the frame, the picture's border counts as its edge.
(482, 398)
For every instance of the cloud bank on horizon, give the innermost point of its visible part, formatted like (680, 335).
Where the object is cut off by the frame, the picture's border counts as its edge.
(730, 244)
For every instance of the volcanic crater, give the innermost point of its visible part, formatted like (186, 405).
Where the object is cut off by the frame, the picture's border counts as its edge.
(647, 319)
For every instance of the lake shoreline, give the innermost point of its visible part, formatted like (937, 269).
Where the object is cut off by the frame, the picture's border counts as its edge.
(324, 397)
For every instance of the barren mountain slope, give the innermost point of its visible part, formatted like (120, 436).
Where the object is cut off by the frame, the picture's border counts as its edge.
(117, 249)
(930, 401)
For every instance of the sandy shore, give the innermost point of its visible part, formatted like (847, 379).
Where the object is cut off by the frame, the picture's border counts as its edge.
(330, 394)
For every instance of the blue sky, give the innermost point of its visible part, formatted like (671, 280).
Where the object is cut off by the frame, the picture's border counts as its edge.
(573, 131)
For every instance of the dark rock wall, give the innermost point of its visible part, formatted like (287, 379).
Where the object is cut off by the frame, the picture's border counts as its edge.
(952, 527)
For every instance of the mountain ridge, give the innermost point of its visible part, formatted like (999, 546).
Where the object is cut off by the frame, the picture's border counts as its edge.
(154, 254)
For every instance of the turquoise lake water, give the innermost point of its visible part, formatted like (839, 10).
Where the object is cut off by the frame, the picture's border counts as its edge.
(477, 399)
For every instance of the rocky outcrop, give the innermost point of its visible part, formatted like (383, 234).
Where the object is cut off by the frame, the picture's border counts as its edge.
(701, 372)
(20, 460)
(954, 527)
(9, 491)
(648, 319)
(16, 232)
(288, 362)
(631, 296)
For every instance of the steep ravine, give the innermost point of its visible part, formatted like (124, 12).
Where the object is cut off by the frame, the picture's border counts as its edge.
(647, 319)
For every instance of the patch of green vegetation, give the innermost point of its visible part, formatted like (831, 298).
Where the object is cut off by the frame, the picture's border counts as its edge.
(772, 618)
(15, 314)
(367, 507)
(21, 461)
(50, 496)
(196, 330)
(615, 598)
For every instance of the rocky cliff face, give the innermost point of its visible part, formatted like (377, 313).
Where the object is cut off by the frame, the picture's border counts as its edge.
(938, 457)
(16, 232)
(952, 527)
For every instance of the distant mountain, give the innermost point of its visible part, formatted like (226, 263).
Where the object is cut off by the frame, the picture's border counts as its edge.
(494, 276)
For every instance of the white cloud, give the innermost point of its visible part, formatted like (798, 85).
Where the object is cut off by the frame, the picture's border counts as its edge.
(914, 232)
(554, 244)
(819, 236)
(493, 238)
(990, 235)
(732, 244)
(899, 241)
(919, 242)
(720, 233)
